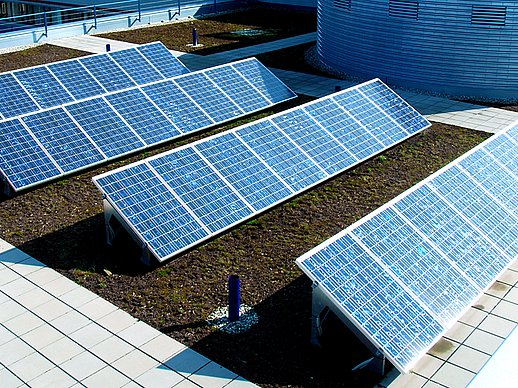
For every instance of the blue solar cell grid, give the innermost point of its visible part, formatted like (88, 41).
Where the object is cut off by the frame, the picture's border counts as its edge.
(162, 59)
(329, 154)
(136, 66)
(104, 127)
(202, 190)
(373, 118)
(107, 72)
(209, 97)
(156, 214)
(394, 106)
(14, 100)
(144, 117)
(76, 79)
(180, 109)
(237, 88)
(264, 80)
(43, 87)
(282, 155)
(63, 139)
(352, 135)
(22, 160)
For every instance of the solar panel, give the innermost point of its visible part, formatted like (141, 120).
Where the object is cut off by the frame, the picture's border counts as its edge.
(52, 85)
(136, 66)
(442, 243)
(14, 100)
(22, 160)
(43, 87)
(230, 177)
(76, 79)
(85, 132)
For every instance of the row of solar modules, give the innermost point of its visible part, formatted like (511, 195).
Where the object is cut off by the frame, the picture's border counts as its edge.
(44, 145)
(178, 199)
(407, 272)
(45, 86)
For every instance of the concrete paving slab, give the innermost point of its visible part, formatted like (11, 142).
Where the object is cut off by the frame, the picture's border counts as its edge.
(138, 334)
(55, 378)
(82, 366)
(30, 367)
(107, 377)
(212, 375)
(187, 362)
(90, 335)
(159, 377)
(111, 349)
(135, 363)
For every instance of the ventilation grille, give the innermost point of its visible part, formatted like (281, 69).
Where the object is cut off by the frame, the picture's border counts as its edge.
(407, 9)
(488, 16)
(343, 4)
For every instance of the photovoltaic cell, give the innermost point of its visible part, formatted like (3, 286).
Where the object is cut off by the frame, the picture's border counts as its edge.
(209, 97)
(444, 241)
(43, 87)
(136, 66)
(180, 109)
(166, 63)
(230, 177)
(281, 154)
(242, 169)
(14, 100)
(107, 72)
(237, 88)
(76, 79)
(155, 212)
(104, 127)
(209, 197)
(144, 117)
(63, 139)
(319, 144)
(22, 160)
(264, 80)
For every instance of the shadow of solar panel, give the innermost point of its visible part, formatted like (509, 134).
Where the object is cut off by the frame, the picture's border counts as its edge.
(136, 66)
(233, 176)
(14, 100)
(63, 139)
(43, 87)
(444, 241)
(74, 77)
(22, 160)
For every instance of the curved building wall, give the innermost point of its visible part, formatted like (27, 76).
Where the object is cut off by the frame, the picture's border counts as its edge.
(458, 47)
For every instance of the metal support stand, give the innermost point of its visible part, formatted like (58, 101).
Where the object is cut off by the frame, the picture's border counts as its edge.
(234, 298)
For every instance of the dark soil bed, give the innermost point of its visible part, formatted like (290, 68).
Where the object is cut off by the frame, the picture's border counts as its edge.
(225, 32)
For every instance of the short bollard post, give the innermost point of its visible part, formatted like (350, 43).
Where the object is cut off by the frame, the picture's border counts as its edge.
(338, 88)
(194, 37)
(234, 298)
(108, 47)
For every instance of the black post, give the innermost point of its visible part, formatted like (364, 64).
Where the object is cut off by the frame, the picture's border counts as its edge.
(194, 37)
(234, 297)
(108, 47)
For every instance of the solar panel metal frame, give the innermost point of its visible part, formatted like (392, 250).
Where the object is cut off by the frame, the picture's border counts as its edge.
(337, 307)
(47, 66)
(113, 209)
(140, 88)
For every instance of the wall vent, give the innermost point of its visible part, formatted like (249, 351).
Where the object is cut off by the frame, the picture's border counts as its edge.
(343, 4)
(407, 9)
(488, 16)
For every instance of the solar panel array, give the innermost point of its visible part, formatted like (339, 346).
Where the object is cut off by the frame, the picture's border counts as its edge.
(46, 86)
(177, 199)
(47, 144)
(405, 273)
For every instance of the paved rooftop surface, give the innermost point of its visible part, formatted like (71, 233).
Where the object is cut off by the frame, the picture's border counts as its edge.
(55, 333)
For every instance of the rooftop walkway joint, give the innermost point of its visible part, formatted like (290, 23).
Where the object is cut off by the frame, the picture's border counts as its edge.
(56, 333)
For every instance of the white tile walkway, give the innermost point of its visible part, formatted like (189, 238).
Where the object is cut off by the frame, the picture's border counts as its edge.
(55, 333)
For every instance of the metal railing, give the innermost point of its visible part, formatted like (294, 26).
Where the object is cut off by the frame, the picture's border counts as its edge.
(90, 17)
